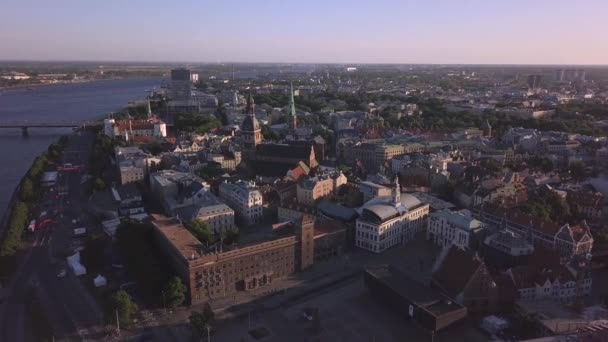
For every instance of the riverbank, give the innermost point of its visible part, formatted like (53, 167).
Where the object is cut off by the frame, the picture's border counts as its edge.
(22, 205)
(39, 85)
(62, 102)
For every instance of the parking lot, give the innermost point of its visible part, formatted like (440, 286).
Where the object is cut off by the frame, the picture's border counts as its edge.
(346, 313)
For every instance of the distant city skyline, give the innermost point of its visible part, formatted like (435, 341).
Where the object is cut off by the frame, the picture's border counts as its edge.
(273, 31)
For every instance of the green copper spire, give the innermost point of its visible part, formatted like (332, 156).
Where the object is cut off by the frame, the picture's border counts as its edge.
(292, 104)
(292, 108)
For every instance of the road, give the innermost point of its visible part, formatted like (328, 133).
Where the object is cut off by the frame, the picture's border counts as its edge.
(72, 310)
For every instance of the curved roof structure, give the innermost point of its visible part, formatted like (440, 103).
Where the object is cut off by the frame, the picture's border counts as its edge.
(381, 209)
(409, 201)
(380, 212)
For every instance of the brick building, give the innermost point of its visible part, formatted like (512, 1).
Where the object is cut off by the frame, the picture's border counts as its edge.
(218, 274)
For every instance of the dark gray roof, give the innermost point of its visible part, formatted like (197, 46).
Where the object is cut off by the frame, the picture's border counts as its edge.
(292, 151)
(336, 211)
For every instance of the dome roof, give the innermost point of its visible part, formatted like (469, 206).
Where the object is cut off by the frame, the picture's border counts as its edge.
(409, 201)
(383, 212)
(250, 124)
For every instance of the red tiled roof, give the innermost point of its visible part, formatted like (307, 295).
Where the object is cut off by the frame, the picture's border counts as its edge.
(579, 230)
(297, 173)
(124, 125)
(586, 199)
(456, 270)
(141, 139)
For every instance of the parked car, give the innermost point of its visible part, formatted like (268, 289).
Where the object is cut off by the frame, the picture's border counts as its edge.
(62, 273)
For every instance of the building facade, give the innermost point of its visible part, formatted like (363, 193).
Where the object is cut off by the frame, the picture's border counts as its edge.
(245, 199)
(371, 190)
(132, 164)
(225, 273)
(127, 129)
(388, 221)
(311, 189)
(447, 227)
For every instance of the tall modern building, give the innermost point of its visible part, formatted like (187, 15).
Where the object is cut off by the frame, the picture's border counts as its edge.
(569, 75)
(181, 84)
(534, 81)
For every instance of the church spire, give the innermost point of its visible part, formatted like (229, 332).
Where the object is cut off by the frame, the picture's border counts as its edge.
(292, 108)
(250, 104)
(149, 109)
(397, 192)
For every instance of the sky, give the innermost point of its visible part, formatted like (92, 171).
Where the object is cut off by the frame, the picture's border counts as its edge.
(307, 31)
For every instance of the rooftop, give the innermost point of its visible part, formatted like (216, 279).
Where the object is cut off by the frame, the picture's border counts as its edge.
(180, 237)
(462, 218)
(415, 292)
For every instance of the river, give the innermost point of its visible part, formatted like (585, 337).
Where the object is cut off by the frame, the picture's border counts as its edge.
(61, 102)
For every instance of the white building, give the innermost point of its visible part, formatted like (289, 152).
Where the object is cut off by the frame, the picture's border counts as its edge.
(212, 211)
(245, 199)
(132, 163)
(126, 129)
(388, 221)
(447, 227)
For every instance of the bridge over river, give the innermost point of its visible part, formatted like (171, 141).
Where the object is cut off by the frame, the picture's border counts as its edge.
(26, 124)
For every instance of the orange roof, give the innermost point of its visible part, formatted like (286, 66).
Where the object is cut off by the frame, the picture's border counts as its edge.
(124, 125)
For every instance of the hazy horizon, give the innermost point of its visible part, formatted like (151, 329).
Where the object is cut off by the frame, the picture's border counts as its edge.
(439, 32)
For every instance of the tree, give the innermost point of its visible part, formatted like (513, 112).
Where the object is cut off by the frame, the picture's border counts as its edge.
(93, 254)
(175, 292)
(268, 133)
(201, 230)
(54, 151)
(27, 190)
(201, 321)
(198, 323)
(136, 243)
(191, 122)
(491, 165)
(16, 227)
(99, 184)
(230, 236)
(208, 313)
(125, 307)
(577, 170)
(222, 114)
(541, 163)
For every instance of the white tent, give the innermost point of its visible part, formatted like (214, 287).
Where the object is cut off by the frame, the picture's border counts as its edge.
(100, 281)
(75, 265)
